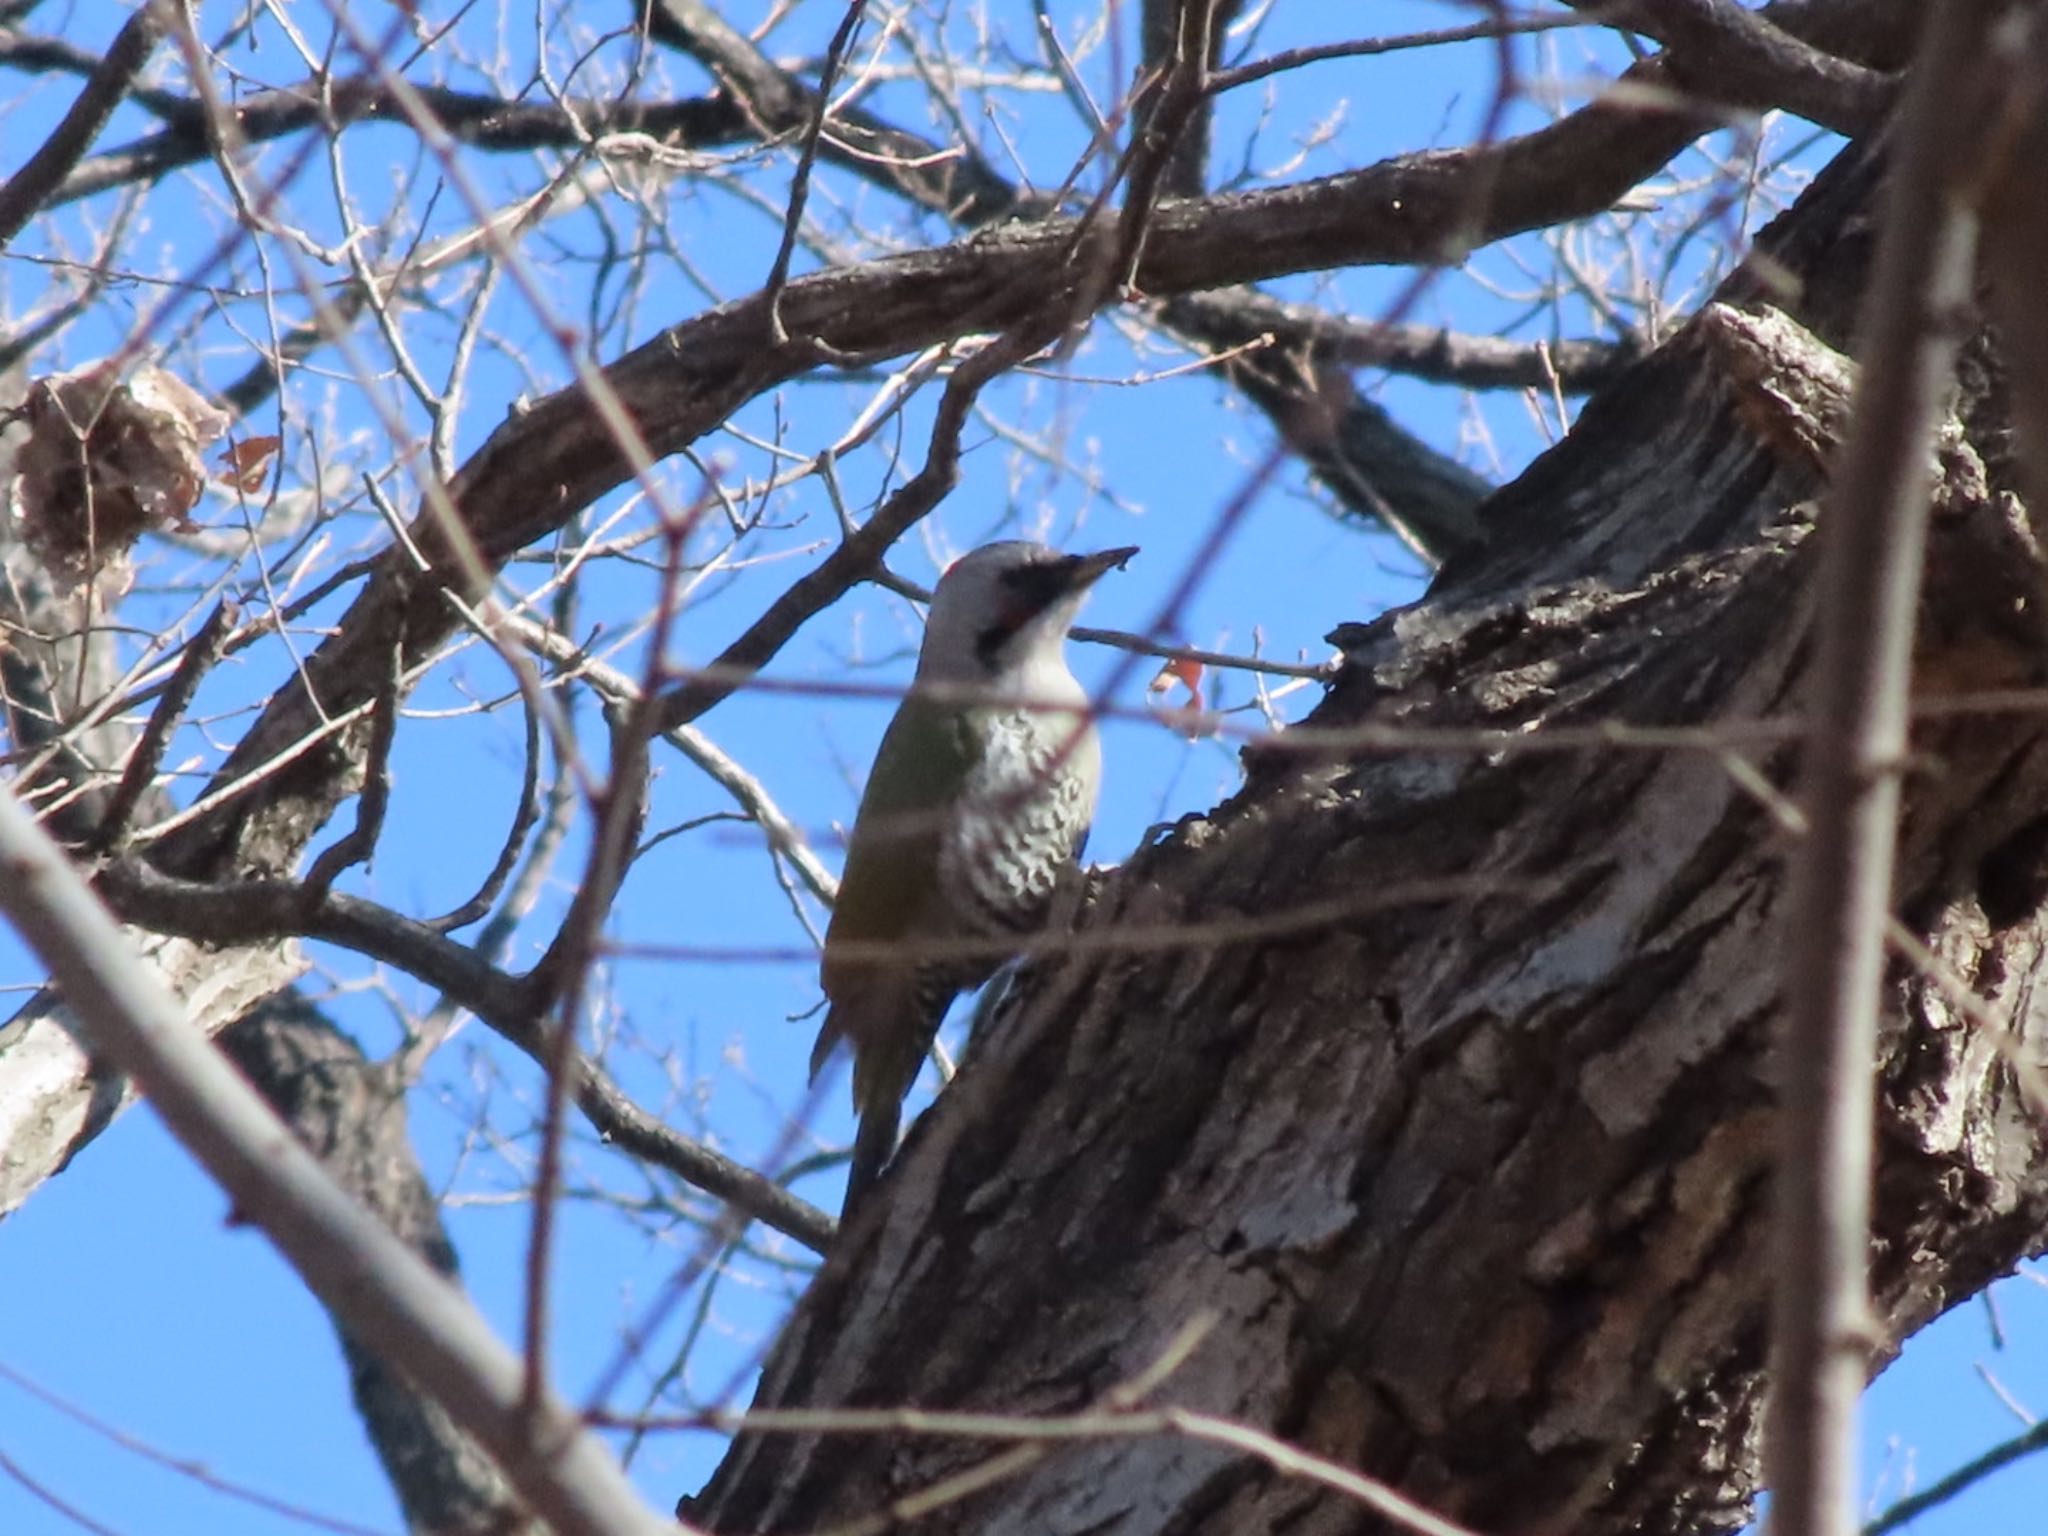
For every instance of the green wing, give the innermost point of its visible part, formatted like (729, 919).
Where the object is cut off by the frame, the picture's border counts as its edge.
(892, 859)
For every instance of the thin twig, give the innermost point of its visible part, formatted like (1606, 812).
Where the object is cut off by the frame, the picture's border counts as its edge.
(49, 1496)
(861, 553)
(1096, 1425)
(807, 156)
(615, 687)
(197, 1471)
(1971, 1472)
(371, 802)
(200, 653)
(564, 971)
(1873, 532)
(1161, 115)
(523, 819)
(1366, 47)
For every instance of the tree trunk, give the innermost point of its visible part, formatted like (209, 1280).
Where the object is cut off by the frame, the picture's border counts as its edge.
(1439, 1076)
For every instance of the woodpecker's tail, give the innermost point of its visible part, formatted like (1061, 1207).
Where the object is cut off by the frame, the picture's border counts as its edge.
(883, 1066)
(884, 1062)
(889, 1022)
(828, 1037)
(873, 1145)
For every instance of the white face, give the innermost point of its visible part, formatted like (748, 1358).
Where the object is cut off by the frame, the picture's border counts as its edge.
(998, 610)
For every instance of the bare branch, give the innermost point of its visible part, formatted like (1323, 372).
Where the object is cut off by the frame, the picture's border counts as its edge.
(1241, 315)
(1167, 30)
(1724, 52)
(1499, 26)
(138, 775)
(523, 820)
(860, 554)
(478, 120)
(369, 1279)
(1367, 461)
(351, 1114)
(1972, 1472)
(359, 844)
(1168, 101)
(952, 179)
(783, 835)
(1874, 533)
(1372, 464)
(252, 910)
(806, 157)
(29, 189)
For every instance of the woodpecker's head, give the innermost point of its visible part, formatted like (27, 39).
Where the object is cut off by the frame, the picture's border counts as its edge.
(1002, 610)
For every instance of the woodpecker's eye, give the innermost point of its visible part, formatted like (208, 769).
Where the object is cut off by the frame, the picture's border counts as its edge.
(1031, 588)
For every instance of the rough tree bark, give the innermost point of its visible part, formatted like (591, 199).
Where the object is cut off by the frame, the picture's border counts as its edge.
(1440, 1077)
(543, 466)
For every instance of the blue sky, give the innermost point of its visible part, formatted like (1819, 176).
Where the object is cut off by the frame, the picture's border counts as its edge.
(124, 1290)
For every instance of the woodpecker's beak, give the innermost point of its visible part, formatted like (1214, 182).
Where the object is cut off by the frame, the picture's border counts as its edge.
(1033, 589)
(1084, 570)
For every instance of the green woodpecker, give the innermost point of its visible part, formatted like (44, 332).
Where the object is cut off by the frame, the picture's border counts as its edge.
(980, 797)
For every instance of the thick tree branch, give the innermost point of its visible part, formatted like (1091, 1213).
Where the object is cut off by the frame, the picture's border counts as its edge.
(1345, 1140)
(1721, 51)
(28, 191)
